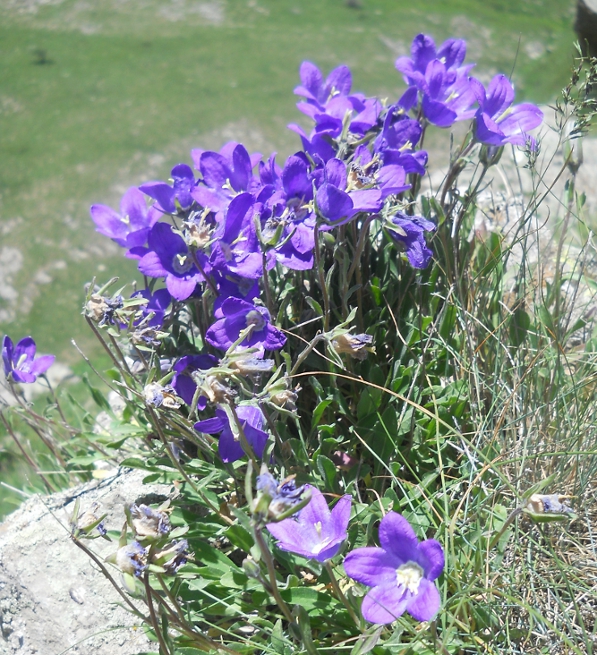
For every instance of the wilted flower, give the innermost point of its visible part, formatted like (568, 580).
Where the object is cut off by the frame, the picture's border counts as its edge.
(401, 573)
(316, 533)
(251, 365)
(161, 396)
(103, 309)
(173, 556)
(90, 520)
(549, 504)
(275, 501)
(132, 559)
(149, 522)
(355, 345)
(19, 362)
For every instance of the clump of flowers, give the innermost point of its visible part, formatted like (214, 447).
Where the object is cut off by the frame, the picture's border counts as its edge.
(284, 303)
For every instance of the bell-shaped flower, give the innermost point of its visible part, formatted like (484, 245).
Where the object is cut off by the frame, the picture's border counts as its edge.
(409, 233)
(183, 382)
(252, 421)
(154, 311)
(130, 228)
(20, 364)
(287, 218)
(224, 174)
(166, 196)
(316, 90)
(338, 204)
(237, 250)
(401, 573)
(316, 533)
(496, 121)
(170, 257)
(423, 51)
(237, 316)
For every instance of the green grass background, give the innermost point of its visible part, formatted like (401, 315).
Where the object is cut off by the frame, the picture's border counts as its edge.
(130, 86)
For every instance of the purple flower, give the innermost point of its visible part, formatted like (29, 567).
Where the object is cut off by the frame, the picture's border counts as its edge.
(401, 573)
(288, 222)
(438, 75)
(19, 362)
(183, 382)
(409, 232)
(317, 533)
(251, 419)
(335, 203)
(315, 90)
(169, 257)
(237, 251)
(276, 500)
(183, 183)
(423, 52)
(225, 174)
(496, 121)
(237, 315)
(128, 229)
(157, 304)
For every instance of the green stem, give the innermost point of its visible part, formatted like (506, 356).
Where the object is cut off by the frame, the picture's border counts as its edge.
(340, 595)
(269, 562)
(164, 650)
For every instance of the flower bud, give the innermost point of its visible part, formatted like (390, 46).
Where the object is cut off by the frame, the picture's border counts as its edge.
(251, 568)
(490, 155)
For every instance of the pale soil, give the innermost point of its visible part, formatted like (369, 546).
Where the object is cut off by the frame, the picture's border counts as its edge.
(53, 598)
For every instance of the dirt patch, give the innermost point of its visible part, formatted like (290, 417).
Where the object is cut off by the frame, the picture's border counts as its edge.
(52, 597)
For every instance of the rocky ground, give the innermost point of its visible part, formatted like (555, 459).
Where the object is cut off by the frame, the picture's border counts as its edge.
(53, 598)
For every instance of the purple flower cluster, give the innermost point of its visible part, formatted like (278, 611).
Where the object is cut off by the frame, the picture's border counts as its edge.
(210, 235)
(440, 82)
(401, 572)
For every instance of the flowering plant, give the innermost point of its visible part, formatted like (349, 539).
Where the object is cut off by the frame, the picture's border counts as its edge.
(297, 320)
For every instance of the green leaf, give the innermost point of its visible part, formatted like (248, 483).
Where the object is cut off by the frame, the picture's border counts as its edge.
(98, 397)
(315, 306)
(318, 413)
(308, 598)
(367, 641)
(328, 471)
(239, 537)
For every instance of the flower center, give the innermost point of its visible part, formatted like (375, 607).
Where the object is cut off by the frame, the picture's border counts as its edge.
(255, 318)
(324, 543)
(409, 575)
(181, 263)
